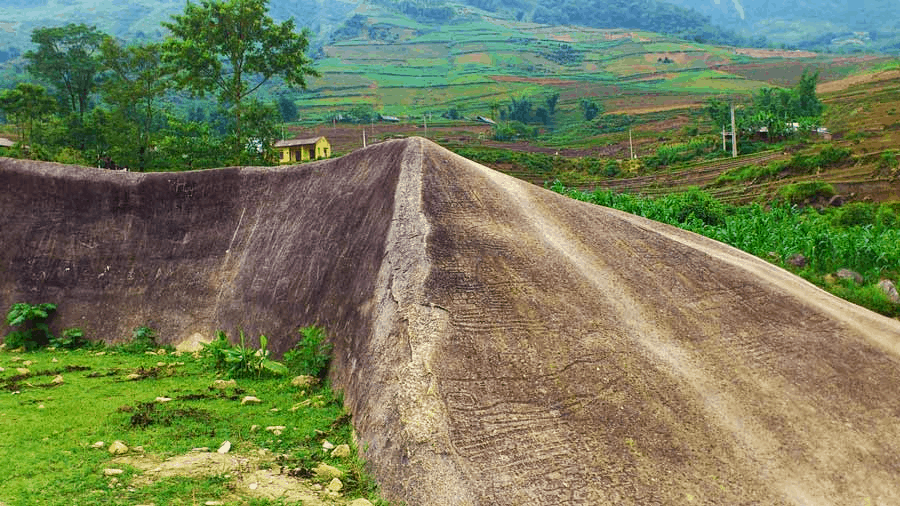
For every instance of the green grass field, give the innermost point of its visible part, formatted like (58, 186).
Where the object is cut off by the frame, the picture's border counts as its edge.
(53, 415)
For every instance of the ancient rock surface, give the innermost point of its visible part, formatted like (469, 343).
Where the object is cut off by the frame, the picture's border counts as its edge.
(498, 344)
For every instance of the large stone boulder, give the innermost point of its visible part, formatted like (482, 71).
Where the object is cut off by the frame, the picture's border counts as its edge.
(498, 344)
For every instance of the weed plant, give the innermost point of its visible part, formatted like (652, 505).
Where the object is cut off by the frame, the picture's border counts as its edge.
(866, 242)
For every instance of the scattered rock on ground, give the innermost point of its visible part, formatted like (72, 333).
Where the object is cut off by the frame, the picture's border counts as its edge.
(325, 472)
(58, 380)
(887, 286)
(98, 444)
(133, 376)
(193, 343)
(163, 399)
(112, 472)
(848, 274)
(360, 502)
(117, 448)
(22, 370)
(341, 452)
(225, 448)
(335, 485)
(304, 381)
(797, 260)
(328, 445)
(223, 384)
(250, 400)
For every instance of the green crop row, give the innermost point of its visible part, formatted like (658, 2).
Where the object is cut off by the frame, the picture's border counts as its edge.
(861, 237)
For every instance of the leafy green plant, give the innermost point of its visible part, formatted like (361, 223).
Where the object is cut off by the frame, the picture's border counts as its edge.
(70, 339)
(311, 355)
(32, 320)
(143, 339)
(241, 360)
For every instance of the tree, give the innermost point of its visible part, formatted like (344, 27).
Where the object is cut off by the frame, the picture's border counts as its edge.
(25, 104)
(551, 103)
(136, 84)
(590, 109)
(287, 108)
(232, 47)
(68, 58)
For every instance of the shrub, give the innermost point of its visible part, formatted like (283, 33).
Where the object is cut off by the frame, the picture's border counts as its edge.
(143, 339)
(801, 193)
(241, 360)
(888, 160)
(854, 214)
(32, 320)
(311, 355)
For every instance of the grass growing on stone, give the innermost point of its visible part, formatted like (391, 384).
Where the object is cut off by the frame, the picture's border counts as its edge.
(56, 406)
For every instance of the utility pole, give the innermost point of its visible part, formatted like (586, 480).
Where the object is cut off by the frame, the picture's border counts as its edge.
(734, 150)
(364, 136)
(630, 144)
(724, 147)
(425, 122)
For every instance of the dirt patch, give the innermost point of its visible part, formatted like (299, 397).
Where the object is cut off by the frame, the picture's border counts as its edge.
(482, 58)
(250, 475)
(774, 53)
(843, 84)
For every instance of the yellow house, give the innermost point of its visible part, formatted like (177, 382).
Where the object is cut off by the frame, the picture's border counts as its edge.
(299, 150)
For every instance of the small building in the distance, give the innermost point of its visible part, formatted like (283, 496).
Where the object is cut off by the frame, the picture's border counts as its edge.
(301, 150)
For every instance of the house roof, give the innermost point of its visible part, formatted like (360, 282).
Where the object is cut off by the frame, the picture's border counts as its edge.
(6, 143)
(289, 143)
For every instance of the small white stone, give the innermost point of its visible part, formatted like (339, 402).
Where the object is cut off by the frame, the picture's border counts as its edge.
(163, 399)
(54, 360)
(160, 364)
(273, 428)
(112, 472)
(161, 351)
(327, 445)
(22, 370)
(2, 369)
(274, 410)
(250, 400)
(40, 406)
(99, 353)
(58, 380)
(225, 448)
(98, 444)
(254, 486)
(28, 363)
(132, 377)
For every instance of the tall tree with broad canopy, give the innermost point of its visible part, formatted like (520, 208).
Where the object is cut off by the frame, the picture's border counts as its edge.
(233, 47)
(135, 85)
(68, 57)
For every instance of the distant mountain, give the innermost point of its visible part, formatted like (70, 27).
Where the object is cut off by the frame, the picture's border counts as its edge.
(814, 24)
(140, 19)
